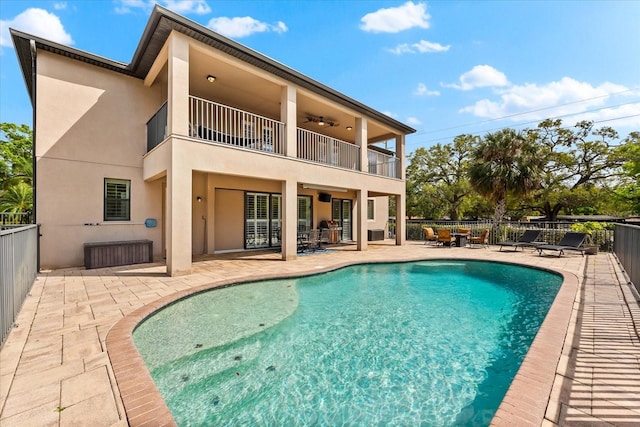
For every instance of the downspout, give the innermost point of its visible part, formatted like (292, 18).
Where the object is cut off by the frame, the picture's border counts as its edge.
(32, 48)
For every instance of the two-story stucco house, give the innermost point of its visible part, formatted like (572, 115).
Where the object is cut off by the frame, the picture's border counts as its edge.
(200, 145)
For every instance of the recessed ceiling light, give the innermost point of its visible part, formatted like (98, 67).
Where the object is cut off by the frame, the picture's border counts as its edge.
(211, 78)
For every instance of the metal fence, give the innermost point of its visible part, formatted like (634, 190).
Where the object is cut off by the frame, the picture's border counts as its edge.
(18, 270)
(626, 246)
(552, 232)
(14, 218)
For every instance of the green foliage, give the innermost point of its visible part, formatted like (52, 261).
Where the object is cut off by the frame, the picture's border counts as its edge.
(16, 170)
(505, 162)
(546, 171)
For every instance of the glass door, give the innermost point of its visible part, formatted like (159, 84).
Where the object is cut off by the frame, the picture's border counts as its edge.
(256, 228)
(305, 220)
(341, 214)
(276, 220)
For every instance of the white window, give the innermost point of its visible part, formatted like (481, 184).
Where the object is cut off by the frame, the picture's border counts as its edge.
(117, 199)
(371, 209)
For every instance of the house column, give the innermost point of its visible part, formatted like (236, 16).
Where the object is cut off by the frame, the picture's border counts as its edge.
(289, 220)
(211, 210)
(178, 87)
(400, 154)
(401, 219)
(179, 205)
(288, 116)
(361, 141)
(361, 217)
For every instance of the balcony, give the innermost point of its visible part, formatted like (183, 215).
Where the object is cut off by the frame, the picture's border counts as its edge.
(220, 124)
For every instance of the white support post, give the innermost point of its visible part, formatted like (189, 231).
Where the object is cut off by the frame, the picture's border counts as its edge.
(288, 116)
(361, 218)
(289, 220)
(361, 141)
(178, 86)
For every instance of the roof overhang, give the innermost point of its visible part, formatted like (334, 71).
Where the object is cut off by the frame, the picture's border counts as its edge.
(161, 22)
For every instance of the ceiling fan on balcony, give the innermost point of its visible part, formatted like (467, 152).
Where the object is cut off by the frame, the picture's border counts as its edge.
(321, 121)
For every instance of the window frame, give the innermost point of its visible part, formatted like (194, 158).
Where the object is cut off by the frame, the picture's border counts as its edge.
(105, 209)
(371, 208)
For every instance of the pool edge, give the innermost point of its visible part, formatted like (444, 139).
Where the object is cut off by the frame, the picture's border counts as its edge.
(525, 402)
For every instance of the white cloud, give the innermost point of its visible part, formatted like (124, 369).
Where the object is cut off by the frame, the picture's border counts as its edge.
(199, 7)
(390, 114)
(38, 22)
(565, 97)
(480, 76)
(60, 5)
(396, 19)
(422, 90)
(243, 26)
(422, 46)
(413, 121)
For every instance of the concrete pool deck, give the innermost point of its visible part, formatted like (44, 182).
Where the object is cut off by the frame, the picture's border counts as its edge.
(55, 369)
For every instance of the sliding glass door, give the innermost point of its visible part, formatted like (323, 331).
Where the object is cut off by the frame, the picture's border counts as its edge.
(263, 219)
(341, 213)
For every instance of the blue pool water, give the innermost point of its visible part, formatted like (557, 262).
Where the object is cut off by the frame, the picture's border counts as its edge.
(432, 343)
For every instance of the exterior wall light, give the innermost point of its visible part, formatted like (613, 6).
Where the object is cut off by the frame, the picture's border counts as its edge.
(349, 128)
(211, 78)
(199, 199)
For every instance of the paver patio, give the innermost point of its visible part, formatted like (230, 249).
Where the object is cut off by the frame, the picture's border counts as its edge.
(55, 370)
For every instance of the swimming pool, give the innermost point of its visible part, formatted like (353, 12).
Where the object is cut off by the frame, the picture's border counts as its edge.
(433, 341)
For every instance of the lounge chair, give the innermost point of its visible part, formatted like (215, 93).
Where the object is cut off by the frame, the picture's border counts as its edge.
(429, 235)
(445, 237)
(570, 242)
(482, 239)
(527, 239)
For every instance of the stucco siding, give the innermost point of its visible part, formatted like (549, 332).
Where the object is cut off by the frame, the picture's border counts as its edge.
(90, 126)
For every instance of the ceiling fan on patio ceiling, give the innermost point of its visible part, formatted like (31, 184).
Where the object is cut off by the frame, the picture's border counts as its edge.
(321, 121)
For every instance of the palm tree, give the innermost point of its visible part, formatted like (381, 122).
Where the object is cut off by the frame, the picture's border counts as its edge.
(505, 162)
(17, 199)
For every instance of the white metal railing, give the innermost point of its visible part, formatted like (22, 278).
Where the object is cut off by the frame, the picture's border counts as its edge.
(383, 164)
(227, 125)
(326, 150)
(18, 270)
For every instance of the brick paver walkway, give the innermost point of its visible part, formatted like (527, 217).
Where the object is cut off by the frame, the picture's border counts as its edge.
(54, 368)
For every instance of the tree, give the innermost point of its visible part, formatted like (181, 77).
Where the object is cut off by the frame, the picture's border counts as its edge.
(437, 178)
(573, 159)
(628, 189)
(16, 170)
(505, 162)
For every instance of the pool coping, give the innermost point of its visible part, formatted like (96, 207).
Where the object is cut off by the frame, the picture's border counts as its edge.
(525, 402)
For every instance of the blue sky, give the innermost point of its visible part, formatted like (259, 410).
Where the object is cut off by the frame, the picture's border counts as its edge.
(443, 67)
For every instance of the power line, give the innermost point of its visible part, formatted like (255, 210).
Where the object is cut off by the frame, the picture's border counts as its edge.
(557, 117)
(529, 112)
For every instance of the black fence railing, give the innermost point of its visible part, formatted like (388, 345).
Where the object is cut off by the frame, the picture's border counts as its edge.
(626, 246)
(157, 128)
(552, 232)
(8, 219)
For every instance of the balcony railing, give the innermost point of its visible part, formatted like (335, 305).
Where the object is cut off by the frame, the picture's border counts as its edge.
(320, 148)
(227, 125)
(157, 128)
(383, 164)
(221, 124)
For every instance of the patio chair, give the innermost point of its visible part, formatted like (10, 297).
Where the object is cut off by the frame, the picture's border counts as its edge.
(445, 237)
(527, 239)
(571, 241)
(482, 239)
(429, 235)
(466, 231)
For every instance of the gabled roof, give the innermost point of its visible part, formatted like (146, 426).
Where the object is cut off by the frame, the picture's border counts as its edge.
(161, 22)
